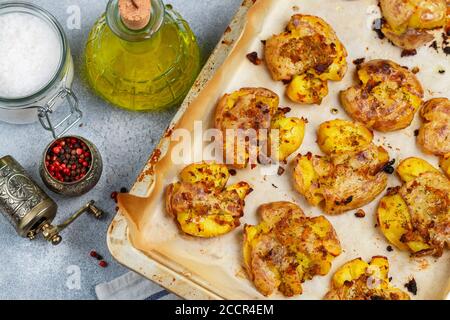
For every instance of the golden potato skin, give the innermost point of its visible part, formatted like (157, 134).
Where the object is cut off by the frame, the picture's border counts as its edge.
(290, 133)
(434, 134)
(407, 21)
(416, 216)
(247, 108)
(202, 205)
(410, 168)
(338, 136)
(307, 54)
(349, 176)
(287, 248)
(359, 280)
(256, 113)
(387, 97)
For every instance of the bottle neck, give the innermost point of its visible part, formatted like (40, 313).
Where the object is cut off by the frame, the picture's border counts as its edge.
(117, 26)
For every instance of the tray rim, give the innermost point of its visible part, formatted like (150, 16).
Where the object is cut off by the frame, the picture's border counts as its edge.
(117, 235)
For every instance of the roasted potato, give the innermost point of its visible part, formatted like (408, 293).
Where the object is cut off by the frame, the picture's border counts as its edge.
(251, 121)
(407, 21)
(359, 280)
(349, 176)
(386, 98)
(416, 216)
(307, 54)
(307, 88)
(287, 248)
(289, 133)
(410, 168)
(202, 205)
(338, 136)
(434, 135)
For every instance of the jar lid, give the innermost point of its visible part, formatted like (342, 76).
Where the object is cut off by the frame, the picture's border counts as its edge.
(123, 31)
(135, 14)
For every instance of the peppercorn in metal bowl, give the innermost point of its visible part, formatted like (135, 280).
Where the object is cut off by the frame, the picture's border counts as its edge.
(71, 166)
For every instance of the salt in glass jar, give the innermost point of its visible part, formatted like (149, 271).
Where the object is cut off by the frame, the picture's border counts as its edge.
(40, 104)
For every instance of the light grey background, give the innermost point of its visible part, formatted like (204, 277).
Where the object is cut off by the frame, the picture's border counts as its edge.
(37, 270)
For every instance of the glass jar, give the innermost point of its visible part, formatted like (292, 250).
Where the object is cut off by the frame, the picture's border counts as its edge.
(41, 104)
(141, 70)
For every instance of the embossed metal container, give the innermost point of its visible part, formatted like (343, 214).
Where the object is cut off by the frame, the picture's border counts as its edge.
(25, 205)
(81, 186)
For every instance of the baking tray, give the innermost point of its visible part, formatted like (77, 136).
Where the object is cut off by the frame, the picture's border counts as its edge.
(202, 274)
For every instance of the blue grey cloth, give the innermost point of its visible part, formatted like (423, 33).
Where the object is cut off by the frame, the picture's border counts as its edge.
(132, 286)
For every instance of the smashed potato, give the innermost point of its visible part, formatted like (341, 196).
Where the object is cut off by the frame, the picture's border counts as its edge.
(290, 134)
(201, 203)
(434, 135)
(287, 248)
(349, 176)
(416, 216)
(337, 136)
(250, 121)
(410, 168)
(387, 97)
(359, 280)
(408, 21)
(307, 54)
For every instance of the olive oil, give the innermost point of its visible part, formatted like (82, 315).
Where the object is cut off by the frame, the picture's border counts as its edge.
(150, 69)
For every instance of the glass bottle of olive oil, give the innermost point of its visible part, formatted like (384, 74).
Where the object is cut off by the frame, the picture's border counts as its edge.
(148, 69)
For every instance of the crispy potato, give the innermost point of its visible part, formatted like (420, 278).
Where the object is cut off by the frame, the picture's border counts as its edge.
(308, 54)
(290, 131)
(394, 219)
(242, 113)
(409, 40)
(247, 108)
(359, 280)
(337, 136)
(251, 118)
(411, 168)
(435, 108)
(407, 21)
(215, 174)
(434, 134)
(387, 97)
(307, 89)
(200, 203)
(341, 183)
(307, 178)
(349, 176)
(287, 248)
(416, 216)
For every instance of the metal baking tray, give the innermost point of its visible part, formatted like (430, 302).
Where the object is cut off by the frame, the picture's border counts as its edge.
(184, 281)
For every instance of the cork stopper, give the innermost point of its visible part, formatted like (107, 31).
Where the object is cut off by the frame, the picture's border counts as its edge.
(135, 14)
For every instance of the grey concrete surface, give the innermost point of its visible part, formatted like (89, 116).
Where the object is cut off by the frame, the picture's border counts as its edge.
(37, 270)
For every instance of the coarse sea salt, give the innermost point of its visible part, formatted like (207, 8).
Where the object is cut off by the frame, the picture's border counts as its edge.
(30, 53)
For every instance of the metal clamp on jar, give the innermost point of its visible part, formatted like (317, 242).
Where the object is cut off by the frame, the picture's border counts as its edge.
(28, 208)
(41, 103)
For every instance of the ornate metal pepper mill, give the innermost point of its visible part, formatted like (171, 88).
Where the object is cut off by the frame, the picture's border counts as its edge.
(28, 208)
